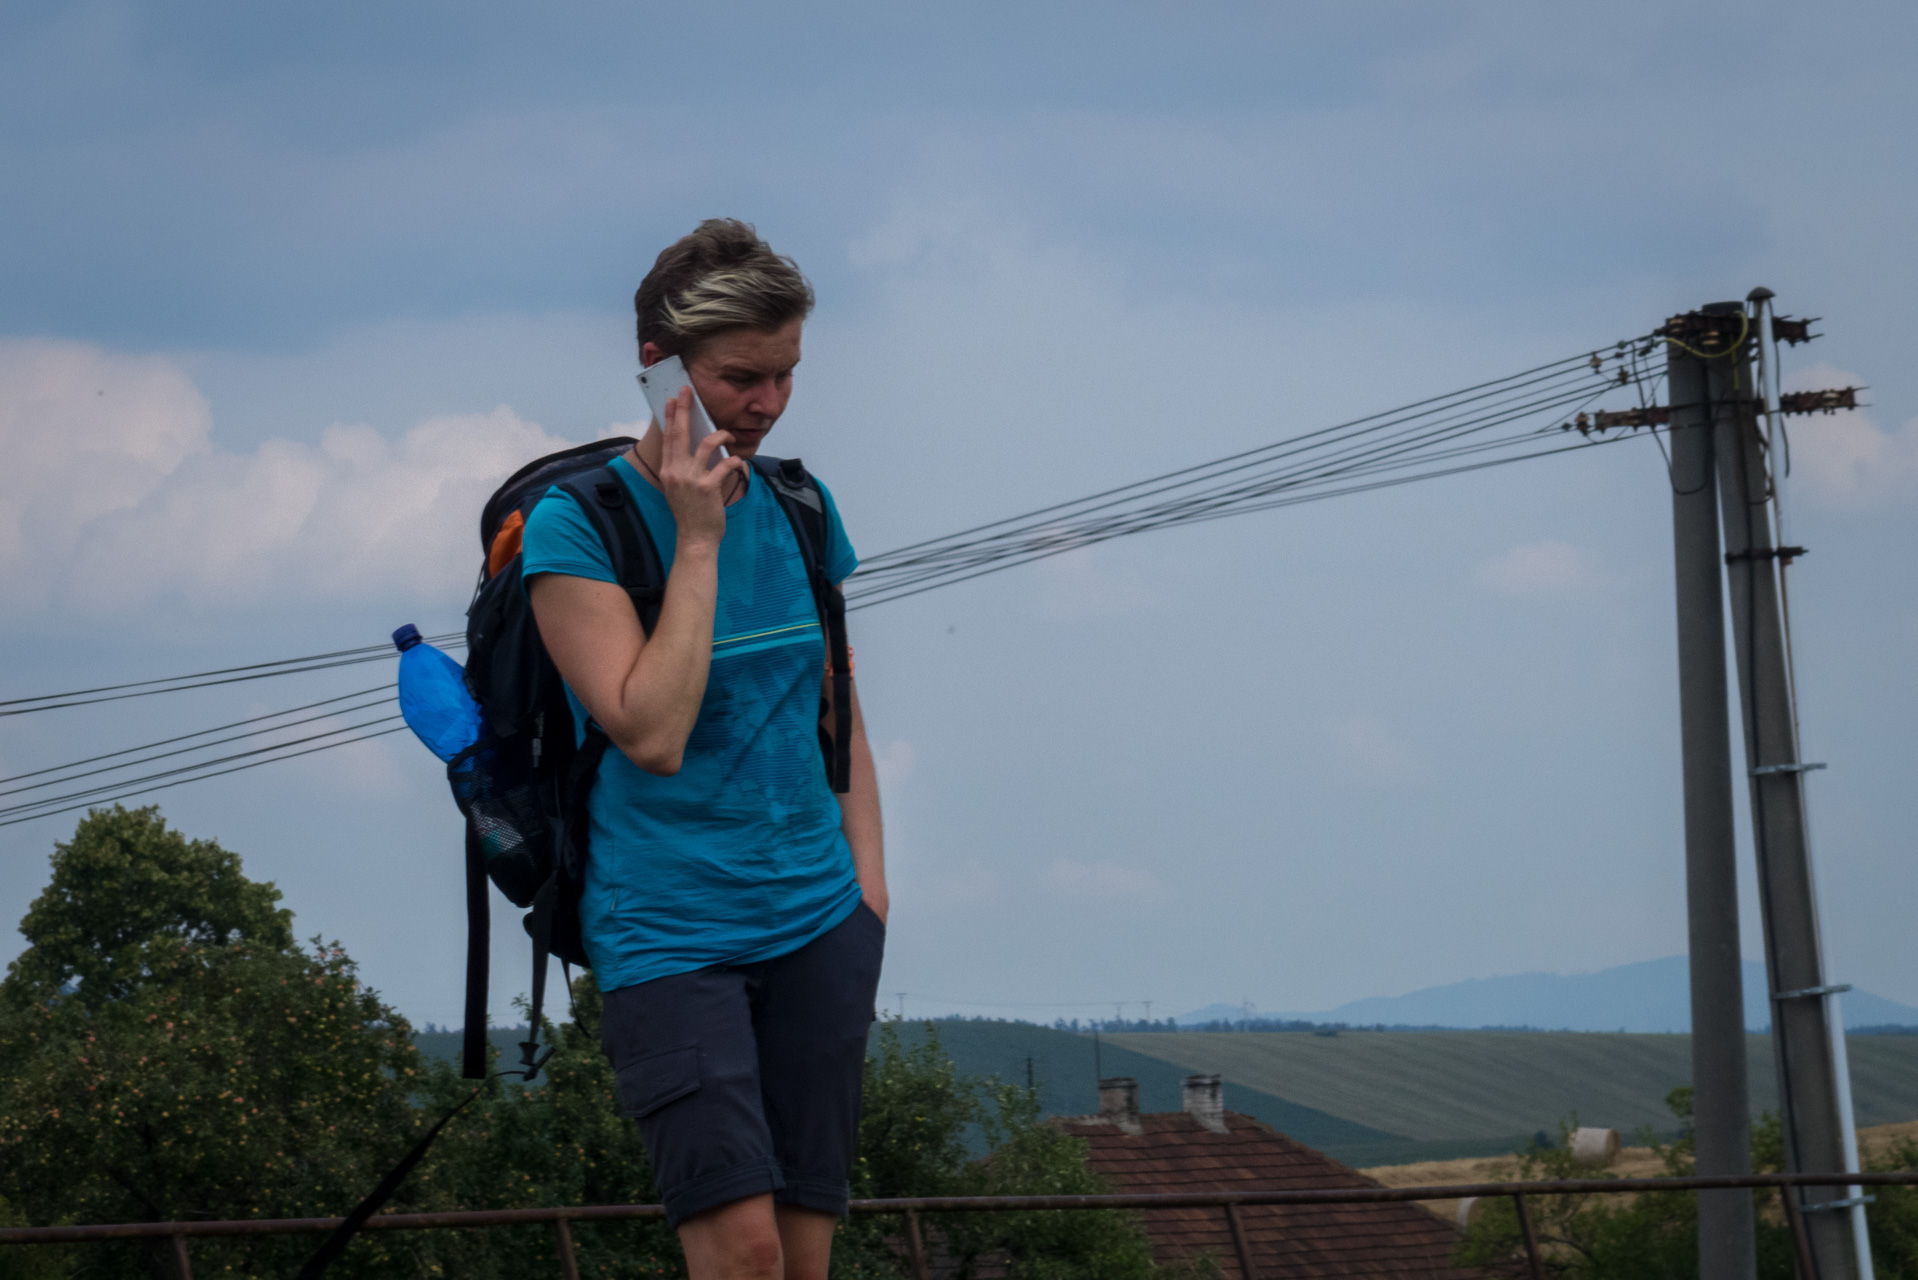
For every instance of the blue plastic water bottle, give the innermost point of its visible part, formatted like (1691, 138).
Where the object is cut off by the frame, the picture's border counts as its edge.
(433, 696)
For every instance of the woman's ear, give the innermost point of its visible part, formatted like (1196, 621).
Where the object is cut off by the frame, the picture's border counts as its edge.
(650, 354)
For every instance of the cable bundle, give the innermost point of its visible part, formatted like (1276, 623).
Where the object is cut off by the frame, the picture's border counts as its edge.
(1511, 419)
(121, 782)
(206, 679)
(1419, 441)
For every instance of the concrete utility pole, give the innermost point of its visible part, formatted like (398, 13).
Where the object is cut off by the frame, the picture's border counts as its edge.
(1722, 1112)
(1809, 1087)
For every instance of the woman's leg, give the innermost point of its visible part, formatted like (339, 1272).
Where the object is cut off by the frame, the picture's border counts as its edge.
(811, 1017)
(686, 1067)
(737, 1241)
(805, 1240)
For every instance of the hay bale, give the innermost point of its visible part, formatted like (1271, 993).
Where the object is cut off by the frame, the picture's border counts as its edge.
(1595, 1147)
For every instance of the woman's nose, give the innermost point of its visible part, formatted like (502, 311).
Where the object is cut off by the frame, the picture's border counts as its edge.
(768, 400)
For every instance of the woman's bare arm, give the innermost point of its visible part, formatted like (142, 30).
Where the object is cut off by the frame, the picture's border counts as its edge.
(859, 818)
(645, 693)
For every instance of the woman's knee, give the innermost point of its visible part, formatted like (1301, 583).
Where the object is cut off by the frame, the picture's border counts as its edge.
(737, 1241)
(757, 1254)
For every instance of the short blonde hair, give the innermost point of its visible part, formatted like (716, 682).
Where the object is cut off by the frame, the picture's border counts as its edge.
(721, 276)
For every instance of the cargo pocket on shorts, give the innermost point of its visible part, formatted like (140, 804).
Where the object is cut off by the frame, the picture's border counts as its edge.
(649, 1083)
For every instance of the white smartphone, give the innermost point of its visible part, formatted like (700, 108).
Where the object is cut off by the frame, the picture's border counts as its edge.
(661, 382)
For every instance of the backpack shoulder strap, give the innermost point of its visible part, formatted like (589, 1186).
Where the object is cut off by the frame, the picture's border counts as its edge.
(800, 497)
(602, 495)
(805, 505)
(615, 517)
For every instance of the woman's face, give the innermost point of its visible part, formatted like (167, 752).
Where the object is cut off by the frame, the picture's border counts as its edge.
(744, 377)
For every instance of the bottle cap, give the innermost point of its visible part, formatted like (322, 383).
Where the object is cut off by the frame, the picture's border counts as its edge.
(406, 637)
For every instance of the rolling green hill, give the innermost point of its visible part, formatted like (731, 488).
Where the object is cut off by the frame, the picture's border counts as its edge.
(1386, 1097)
(1065, 1073)
(446, 1044)
(1460, 1085)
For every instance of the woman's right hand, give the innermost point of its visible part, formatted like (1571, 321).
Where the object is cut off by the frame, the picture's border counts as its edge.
(694, 486)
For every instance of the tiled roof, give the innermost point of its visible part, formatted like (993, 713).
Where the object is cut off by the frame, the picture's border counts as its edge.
(1172, 1152)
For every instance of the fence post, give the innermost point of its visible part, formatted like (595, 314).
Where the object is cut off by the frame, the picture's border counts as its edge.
(1239, 1242)
(181, 1262)
(1800, 1239)
(916, 1246)
(563, 1238)
(1536, 1266)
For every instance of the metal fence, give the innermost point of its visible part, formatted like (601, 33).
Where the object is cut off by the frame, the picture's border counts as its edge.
(910, 1209)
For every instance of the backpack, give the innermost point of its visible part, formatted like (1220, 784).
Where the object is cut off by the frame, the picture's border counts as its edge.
(524, 785)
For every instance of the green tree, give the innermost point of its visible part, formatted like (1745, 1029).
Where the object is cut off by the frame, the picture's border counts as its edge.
(1651, 1236)
(167, 1052)
(563, 1141)
(1893, 1217)
(559, 1140)
(919, 1112)
(125, 887)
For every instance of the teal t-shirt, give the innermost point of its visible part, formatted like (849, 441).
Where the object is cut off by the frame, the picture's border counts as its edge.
(738, 857)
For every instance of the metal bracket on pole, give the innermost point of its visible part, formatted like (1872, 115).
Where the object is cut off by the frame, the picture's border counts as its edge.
(1804, 993)
(1783, 554)
(1764, 769)
(1847, 1203)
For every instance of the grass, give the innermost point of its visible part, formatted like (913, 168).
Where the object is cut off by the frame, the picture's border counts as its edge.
(447, 1044)
(1438, 1086)
(1385, 1097)
(1066, 1068)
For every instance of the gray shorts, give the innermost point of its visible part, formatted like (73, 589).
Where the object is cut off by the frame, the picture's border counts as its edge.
(745, 1078)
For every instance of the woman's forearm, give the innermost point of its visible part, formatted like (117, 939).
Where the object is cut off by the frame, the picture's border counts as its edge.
(660, 697)
(859, 818)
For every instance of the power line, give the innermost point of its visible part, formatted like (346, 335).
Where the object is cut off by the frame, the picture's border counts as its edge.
(8, 821)
(1019, 1004)
(1427, 439)
(91, 796)
(1250, 453)
(945, 581)
(381, 690)
(203, 679)
(1024, 539)
(1431, 423)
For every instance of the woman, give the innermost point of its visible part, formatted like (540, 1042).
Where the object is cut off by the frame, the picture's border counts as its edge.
(734, 907)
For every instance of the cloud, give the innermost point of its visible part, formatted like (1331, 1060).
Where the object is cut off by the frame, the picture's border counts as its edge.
(84, 435)
(365, 770)
(894, 764)
(1079, 586)
(1548, 570)
(1367, 744)
(965, 884)
(1099, 881)
(1846, 458)
(116, 500)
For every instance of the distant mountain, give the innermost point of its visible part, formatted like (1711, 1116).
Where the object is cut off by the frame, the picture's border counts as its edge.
(1213, 1013)
(1654, 995)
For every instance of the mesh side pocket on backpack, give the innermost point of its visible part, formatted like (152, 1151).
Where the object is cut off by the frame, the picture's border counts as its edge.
(495, 787)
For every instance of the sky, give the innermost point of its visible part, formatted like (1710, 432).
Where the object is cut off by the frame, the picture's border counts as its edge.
(284, 293)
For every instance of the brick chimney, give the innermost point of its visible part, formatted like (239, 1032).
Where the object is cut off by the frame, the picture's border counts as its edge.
(1119, 1103)
(1204, 1098)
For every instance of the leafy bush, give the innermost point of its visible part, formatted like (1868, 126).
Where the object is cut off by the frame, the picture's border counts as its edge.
(912, 1142)
(1650, 1236)
(1893, 1218)
(560, 1140)
(169, 1052)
